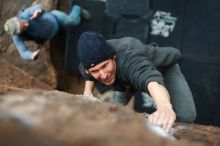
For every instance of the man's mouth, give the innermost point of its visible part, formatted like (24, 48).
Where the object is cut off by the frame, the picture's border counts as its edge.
(107, 80)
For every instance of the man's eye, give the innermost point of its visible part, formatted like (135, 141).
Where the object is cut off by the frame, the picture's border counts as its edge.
(104, 66)
(94, 72)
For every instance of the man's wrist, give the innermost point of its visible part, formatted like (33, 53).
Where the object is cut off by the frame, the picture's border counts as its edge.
(39, 11)
(167, 105)
(87, 93)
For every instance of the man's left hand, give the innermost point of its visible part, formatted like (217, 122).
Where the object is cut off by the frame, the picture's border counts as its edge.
(164, 117)
(36, 14)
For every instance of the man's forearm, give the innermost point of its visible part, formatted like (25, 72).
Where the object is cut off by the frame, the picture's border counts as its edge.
(164, 116)
(159, 94)
(24, 52)
(31, 10)
(89, 87)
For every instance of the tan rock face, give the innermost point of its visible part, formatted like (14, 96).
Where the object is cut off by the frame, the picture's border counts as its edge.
(193, 133)
(12, 76)
(57, 117)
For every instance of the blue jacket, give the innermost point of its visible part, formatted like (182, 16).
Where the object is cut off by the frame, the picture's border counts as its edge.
(41, 28)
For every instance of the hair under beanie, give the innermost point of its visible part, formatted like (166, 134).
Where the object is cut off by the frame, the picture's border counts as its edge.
(12, 26)
(92, 49)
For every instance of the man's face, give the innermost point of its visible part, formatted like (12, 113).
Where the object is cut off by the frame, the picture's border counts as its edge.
(104, 72)
(24, 25)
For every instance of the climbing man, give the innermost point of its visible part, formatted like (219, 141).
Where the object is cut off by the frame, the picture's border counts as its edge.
(129, 66)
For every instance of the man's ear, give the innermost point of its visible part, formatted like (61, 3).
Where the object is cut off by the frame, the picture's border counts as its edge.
(26, 24)
(86, 71)
(114, 57)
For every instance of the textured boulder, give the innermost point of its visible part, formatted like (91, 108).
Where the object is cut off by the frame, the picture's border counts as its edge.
(37, 117)
(15, 77)
(194, 133)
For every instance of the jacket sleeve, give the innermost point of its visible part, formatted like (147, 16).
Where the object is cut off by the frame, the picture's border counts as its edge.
(166, 56)
(21, 47)
(140, 72)
(27, 13)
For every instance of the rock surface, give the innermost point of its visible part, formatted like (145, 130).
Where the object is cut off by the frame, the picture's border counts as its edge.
(194, 133)
(15, 77)
(37, 117)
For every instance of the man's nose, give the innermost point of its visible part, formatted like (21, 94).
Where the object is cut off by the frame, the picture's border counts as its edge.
(103, 74)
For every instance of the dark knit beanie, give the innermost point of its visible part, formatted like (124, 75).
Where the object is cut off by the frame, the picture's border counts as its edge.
(92, 49)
